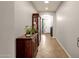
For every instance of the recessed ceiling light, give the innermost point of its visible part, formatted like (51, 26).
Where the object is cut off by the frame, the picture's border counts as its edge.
(46, 8)
(46, 1)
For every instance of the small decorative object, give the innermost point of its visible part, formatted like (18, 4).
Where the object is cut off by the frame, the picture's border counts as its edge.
(29, 30)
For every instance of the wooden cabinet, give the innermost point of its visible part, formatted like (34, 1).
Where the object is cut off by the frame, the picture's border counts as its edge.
(36, 20)
(26, 47)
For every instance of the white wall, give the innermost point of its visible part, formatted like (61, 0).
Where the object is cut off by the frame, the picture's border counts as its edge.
(54, 25)
(7, 29)
(67, 26)
(23, 16)
(49, 20)
(14, 16)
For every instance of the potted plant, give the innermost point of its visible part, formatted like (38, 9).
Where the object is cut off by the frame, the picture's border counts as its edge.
(29, 30)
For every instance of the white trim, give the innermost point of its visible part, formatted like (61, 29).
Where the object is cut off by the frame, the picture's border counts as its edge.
(62, 47)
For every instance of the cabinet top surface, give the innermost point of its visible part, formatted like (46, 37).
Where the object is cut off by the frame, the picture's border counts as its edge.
(27, 37)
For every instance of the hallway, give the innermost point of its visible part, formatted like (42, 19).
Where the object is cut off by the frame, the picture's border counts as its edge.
(32, 18)
(49, 48)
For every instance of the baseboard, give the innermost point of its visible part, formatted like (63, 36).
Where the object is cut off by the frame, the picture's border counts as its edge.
(63, 47)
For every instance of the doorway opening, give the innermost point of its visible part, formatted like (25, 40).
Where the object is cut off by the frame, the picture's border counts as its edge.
(47, 23)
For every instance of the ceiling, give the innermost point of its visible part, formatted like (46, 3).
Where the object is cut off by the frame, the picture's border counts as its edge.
(40, 6)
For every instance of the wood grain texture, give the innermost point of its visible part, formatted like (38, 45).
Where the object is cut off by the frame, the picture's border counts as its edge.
(26, 47)
(49, 48)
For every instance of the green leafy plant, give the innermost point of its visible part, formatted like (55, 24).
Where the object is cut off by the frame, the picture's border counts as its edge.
(29, 30)
(33, 30)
